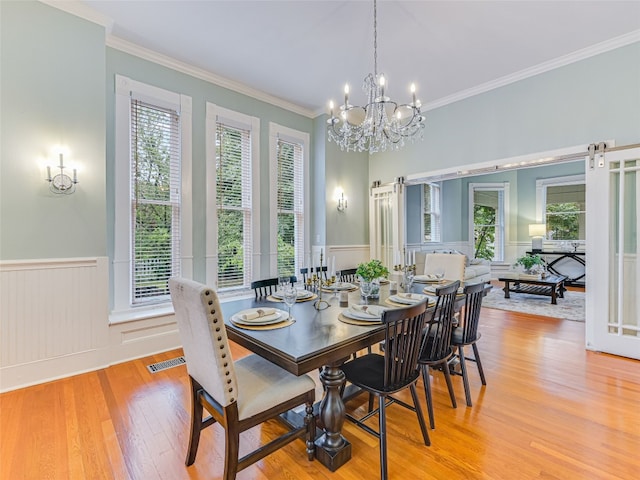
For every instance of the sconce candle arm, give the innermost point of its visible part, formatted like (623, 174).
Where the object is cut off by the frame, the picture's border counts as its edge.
(61, 183)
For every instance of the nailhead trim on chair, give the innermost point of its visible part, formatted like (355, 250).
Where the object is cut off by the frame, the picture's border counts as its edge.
(213, 318)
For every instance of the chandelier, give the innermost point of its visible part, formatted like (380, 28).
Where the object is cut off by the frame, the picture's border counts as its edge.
(381, 123)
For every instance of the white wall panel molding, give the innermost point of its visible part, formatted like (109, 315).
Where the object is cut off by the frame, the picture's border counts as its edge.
(347, 256)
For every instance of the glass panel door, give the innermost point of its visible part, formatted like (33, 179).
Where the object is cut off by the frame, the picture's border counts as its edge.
(386, 222)
(613, 205)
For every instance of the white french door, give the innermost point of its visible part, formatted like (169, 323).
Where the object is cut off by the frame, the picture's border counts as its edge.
(613, 246)
(386, 222)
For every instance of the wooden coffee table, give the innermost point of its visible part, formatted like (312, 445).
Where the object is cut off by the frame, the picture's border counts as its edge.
(549, 286)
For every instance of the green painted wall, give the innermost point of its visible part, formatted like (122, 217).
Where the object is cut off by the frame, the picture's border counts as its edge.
(588, 101)
(52, 83)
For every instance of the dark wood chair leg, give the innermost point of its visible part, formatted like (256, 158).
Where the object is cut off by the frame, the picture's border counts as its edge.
(447, 377)
(196, 424)
(382, 422)
(232, 449)
(370, 403)
(427, 394)
(423, 426)
(310, 422)
(465, 378)
(478, 363)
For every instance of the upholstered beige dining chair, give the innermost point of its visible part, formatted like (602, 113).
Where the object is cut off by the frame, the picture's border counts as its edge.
(237, 394)
(451, 264)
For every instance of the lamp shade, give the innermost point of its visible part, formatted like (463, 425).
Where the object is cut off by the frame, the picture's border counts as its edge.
(537, 230)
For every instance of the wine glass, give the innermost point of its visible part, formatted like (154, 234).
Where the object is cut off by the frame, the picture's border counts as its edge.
(365, 289)
(290, 295)
(408, 279)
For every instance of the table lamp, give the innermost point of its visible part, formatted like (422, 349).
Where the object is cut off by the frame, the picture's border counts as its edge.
(537, 231)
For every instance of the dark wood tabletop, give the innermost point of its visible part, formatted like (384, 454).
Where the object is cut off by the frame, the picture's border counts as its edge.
(317, 337)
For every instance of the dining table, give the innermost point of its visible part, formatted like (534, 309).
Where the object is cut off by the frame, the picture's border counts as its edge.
(317, 339)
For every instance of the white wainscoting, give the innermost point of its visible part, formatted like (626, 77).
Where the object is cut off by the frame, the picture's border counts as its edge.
(54, 322)
(347, 256)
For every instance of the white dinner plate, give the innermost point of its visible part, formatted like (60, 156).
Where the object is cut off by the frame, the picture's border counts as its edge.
(276, 317)
(425, 279)
(351, 314)
(366, 312)
(300, 294)
(407, 298)
(338, 286)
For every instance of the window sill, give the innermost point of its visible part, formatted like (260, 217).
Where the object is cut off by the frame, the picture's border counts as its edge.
(164, 309)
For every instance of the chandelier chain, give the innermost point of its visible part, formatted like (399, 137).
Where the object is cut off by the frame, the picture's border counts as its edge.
(375, 38)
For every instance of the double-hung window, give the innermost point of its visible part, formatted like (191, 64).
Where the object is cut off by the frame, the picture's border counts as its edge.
(431, 212)
(562, 207)
(233, 197)
(488, 210)
(153, 135)
(289, 160)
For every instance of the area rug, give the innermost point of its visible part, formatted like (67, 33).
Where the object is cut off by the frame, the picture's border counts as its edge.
(571, 307)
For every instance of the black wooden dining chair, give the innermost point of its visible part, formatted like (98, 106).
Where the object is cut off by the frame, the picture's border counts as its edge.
(264, 288)
(238, 395)
(348, 275)
(466, 333)
(397, 369)
(437, 349)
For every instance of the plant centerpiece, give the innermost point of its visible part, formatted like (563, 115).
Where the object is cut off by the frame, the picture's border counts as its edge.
(532, 264)
(371, 272)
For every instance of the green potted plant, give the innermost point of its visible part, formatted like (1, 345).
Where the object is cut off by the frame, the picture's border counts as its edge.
(532, 264)
(371, 272)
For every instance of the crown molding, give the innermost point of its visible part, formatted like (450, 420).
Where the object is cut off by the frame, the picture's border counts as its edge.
(602, 47)
(169, 62)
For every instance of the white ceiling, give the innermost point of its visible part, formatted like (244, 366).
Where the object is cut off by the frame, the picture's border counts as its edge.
(304, 51)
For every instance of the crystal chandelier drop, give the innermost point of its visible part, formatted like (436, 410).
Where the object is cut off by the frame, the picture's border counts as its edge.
(381, 123)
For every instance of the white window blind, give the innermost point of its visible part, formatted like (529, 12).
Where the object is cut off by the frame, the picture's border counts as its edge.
(290, 206)
(233, 206)
(155, 201)
(431, 212)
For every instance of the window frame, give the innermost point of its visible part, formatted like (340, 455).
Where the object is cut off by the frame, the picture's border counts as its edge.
(215, 114)
(541, 198)
(503, 227)
(126, 89)
(437, 211)
(294, 136)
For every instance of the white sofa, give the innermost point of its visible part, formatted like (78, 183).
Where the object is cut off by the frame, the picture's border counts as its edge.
(455, 268)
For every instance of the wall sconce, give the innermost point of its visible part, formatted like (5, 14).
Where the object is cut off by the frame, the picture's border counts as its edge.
(342, 202)
(62, 183)
(537, 231)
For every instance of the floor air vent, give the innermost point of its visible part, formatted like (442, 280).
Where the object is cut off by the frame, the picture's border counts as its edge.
(174, 362)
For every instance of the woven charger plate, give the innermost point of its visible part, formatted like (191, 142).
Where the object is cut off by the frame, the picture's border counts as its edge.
(353, 321)
(299, 300)
(274, 326)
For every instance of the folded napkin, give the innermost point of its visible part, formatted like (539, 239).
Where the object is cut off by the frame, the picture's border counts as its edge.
(429, 277)
(372, 311)
(409, 298)
(257, 313)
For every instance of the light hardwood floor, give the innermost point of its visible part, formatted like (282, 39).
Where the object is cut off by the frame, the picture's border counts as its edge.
(550, 410)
